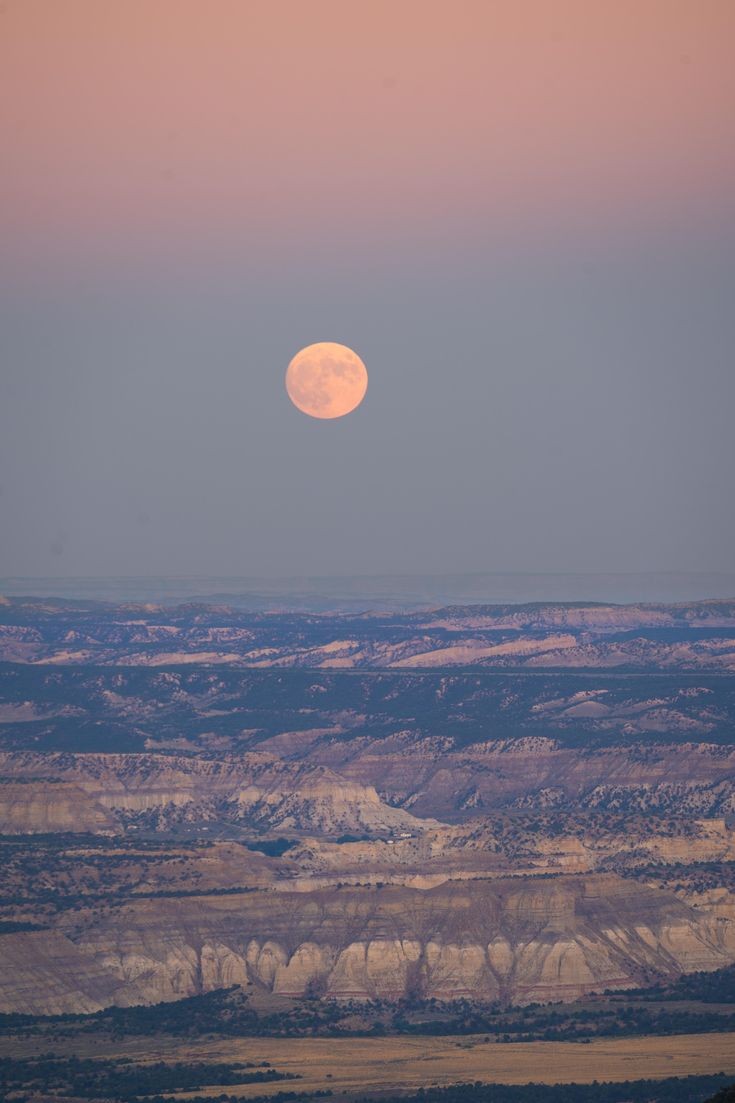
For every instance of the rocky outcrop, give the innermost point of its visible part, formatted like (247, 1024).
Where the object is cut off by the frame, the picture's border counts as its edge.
(44, 973)
(360, 786)
(575, 634)
(515, 939)
(103, 792)
(512, 843)
(294, 713)
(433, 779)
(42, 806)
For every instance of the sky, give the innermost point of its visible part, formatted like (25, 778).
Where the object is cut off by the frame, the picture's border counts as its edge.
(521, 215)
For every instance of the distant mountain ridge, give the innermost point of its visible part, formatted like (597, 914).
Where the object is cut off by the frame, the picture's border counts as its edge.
(693, 636)
(349, 593)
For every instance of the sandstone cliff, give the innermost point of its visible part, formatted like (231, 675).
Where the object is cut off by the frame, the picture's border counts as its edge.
(514, 939)
(103, 792)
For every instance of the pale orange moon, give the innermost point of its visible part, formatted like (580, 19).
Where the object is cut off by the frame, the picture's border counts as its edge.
(326, 380)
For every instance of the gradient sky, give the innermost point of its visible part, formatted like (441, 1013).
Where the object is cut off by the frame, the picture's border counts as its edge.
(521, 216)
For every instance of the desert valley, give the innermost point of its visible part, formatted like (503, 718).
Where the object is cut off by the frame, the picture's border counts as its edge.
(451, 832)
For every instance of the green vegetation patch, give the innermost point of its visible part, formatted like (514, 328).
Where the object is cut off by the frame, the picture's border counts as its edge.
(123, 1079)
(700, 1004)
(675, 1089)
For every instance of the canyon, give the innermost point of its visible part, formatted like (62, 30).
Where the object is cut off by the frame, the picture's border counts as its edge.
(499, 804)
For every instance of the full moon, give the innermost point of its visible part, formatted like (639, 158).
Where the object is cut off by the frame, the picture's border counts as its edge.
(326, 380)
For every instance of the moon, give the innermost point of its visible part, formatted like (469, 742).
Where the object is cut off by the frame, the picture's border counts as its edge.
(326, 380)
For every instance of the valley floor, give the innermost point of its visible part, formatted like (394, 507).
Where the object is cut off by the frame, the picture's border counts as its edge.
(352, 1066)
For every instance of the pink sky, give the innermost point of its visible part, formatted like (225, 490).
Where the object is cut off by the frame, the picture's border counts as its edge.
(150, 123)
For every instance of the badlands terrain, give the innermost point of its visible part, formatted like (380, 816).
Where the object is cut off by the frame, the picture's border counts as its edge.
(481, 809)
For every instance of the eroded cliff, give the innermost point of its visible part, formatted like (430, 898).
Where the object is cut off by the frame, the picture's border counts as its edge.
(513, 939)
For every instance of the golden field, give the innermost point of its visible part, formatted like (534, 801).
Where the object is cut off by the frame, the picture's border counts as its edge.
(410, 1063)
(349, 1065)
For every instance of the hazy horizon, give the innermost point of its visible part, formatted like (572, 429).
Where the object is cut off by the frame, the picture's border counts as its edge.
(352, 592)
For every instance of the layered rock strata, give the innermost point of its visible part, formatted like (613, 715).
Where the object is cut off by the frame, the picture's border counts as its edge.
(518, 940)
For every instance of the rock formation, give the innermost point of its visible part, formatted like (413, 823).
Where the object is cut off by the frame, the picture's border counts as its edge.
(506, 939)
